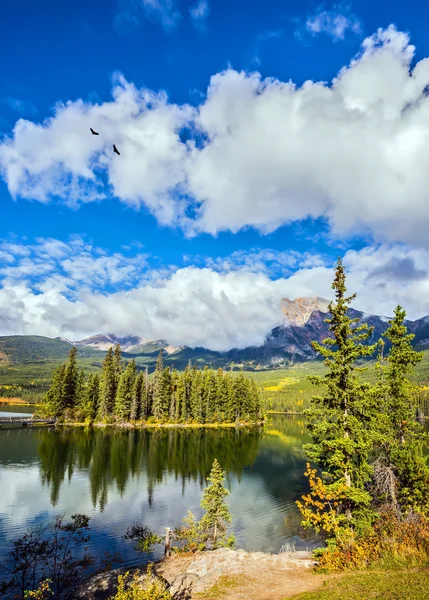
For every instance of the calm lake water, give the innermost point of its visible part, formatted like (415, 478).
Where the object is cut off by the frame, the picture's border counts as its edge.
(155, 477)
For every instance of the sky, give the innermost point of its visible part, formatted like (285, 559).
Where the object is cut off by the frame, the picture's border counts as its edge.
(258, 143)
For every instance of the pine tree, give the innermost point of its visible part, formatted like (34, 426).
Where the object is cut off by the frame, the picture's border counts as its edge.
(80, 388)
(181, 398)
(401, 474)
(222, 395)
(91, 396)
(145, 397)
(136, 403)
(340, 422)
(196, 400)
(240, 395)
(254, 402)
(70, 381)
(117, 362)
(217, 516)
(107, 386)
(54, 397)
(174, 403)
(210, 398)
(125, 393)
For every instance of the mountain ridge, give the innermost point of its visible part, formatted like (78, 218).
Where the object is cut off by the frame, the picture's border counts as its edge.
(301, 321)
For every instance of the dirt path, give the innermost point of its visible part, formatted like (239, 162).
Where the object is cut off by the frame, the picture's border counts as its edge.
(239, 575)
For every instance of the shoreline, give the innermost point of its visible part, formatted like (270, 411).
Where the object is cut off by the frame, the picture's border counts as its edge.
(142, 425)
(17, 402)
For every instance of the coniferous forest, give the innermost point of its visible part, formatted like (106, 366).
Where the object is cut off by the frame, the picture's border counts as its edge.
(122, 394)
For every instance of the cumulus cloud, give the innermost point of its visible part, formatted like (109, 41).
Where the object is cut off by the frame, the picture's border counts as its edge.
(215, 303)
(256, 152)
(199, 13)
(336, 22)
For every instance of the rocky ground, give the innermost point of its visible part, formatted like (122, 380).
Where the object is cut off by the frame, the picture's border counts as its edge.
(224, 573)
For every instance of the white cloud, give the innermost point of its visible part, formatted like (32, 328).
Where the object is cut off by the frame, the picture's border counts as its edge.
(231, 303)
(261, 153)
(336, 22)
(199, 13)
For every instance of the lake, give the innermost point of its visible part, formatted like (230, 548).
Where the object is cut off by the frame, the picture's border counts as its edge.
(153, 476)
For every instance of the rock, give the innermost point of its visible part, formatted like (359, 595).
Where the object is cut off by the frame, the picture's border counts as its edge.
(198, 573)
(104, 585)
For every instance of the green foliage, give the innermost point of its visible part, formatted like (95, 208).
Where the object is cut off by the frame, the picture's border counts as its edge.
(108, 385)
(125, 392)
(143, 538)
(169, 396)
(217, 516)
(401, 473)
(340, 421)
(141, 587)
(208, 533)
(190, 535)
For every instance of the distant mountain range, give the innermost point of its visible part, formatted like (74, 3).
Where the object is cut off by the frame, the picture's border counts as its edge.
(302, 322)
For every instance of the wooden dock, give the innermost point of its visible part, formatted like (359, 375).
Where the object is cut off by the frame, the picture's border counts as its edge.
(25, 421)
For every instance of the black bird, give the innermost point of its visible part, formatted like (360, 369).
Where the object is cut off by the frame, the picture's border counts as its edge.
(93, 132)
(116, 150)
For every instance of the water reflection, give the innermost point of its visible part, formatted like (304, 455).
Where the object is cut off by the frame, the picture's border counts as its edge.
(119, 477)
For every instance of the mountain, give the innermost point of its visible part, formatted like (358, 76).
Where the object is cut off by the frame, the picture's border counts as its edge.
(301, 321)
(131, 344)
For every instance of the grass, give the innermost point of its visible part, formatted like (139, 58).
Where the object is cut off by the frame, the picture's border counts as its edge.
(224, 585)
(385, 585)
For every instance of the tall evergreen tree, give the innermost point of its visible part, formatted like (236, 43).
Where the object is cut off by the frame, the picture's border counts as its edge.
(215, 521)
(401, 471)
(210, 398)
(161, 390)
(136, 403)
(107, 386)
(91, 396)
(124, 395)
(118, 365)
(54, 397)
(70, 382)
(340, 422)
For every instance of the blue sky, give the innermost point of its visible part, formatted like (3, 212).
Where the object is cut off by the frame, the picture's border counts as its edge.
(245, 167)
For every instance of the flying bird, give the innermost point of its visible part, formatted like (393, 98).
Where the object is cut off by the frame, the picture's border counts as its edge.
(116, 150)
(93, 132)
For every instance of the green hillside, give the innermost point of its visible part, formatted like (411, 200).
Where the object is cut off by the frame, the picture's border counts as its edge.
(27, 364)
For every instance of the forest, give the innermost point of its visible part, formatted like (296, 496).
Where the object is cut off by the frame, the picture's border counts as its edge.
(121, 394)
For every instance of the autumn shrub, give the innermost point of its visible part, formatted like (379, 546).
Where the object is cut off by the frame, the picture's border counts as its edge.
(393, 541)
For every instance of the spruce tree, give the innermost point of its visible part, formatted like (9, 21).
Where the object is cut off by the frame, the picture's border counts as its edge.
(341, 421)
(107, 386)
(125, 392)
(240, 395)
(215, 520)
(222, 395)
(401, 474)
(70, 382)
(210, 397)
(91, 396)
(54, 397)
(181, 398)
(196, 400)
(136, 403)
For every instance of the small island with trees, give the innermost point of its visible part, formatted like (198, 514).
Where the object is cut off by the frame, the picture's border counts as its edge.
(121, 395)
